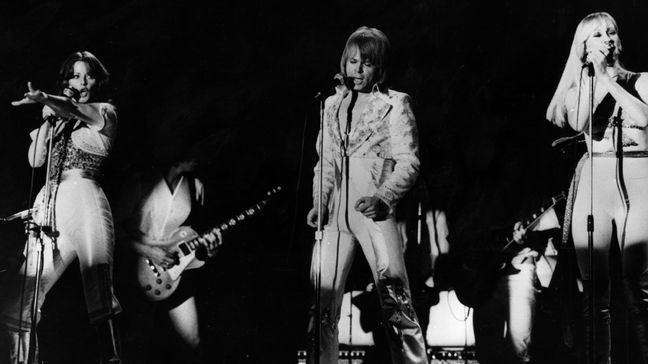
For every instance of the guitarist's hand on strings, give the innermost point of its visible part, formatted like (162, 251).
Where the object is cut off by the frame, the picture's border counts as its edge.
(519, 233)
(211, 242)
(520, 237)
(525, 255)
(160, 256)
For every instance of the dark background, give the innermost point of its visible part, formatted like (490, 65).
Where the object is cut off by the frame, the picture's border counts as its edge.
(234, 81)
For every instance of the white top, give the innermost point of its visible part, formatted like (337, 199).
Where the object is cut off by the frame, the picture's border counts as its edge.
(164, 210)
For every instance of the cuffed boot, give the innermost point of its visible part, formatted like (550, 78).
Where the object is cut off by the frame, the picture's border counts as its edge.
(602, 346)
(108, 342)
(16, 348)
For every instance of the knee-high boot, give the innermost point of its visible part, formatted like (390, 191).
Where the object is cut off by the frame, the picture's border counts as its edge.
(108, 341)
(602, 343)
(15, 347)
(637, 298)
(404, 333)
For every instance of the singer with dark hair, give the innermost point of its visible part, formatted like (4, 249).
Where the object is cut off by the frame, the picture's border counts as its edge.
(618, 156)
(76, 218)
(369, 161)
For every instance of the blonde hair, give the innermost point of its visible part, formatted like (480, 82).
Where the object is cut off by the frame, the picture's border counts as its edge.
(373, 46)
(556, 112)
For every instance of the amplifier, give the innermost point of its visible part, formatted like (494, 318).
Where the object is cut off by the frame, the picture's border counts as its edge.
(452, 355)
(346, 356)
(435, 355)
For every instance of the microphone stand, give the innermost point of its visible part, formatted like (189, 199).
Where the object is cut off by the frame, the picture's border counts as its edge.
(40, 232)
(590, 220)
(319, 234)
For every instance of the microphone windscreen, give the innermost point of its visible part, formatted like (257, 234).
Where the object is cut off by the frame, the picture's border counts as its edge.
(71, 93)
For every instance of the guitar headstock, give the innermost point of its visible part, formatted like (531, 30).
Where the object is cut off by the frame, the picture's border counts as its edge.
(274, 191)
(253, 210)
(269, 195)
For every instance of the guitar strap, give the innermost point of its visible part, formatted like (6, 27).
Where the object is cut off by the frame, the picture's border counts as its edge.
(195, 216)
(192, 190)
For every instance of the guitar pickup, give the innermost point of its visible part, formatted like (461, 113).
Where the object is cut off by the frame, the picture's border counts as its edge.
(184, 249)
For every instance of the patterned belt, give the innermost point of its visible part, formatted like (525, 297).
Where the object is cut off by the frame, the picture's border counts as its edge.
(92, 174)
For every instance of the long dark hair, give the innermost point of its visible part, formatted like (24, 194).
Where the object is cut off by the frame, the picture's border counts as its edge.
(97, 70)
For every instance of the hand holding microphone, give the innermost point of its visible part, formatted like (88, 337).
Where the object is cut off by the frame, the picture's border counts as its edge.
(598, 56)
(337, 81)
(341, 80)
(71, 93)
(49, 114)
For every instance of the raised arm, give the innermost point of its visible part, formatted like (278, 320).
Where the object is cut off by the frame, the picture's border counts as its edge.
(635, 108)
(89, 113)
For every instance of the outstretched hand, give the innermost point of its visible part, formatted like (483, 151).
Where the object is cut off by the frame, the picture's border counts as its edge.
(31, 97)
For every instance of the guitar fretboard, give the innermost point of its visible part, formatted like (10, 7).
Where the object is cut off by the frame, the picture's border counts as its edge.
(532, 220)
(210, 236)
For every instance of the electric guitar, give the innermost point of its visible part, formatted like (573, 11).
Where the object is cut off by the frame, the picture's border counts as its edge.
(158, 283)
(477, 275)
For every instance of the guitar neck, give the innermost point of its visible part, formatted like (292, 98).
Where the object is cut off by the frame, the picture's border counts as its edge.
(533, 220)
(211, 235)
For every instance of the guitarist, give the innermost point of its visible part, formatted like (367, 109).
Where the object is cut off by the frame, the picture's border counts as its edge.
(503, 320)
(155, 207)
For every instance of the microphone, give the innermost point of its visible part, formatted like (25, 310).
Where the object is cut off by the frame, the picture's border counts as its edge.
(337, 80)
(71, 93)
(341, 80)
(590, 68)
(609, 58)
(22, 215)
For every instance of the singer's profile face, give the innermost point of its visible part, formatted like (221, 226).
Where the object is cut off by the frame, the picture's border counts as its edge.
(604, 33)
(82, 81)
(360, 72)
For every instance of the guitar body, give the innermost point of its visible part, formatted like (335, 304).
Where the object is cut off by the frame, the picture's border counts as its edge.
(158, 283)
(478, 271)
